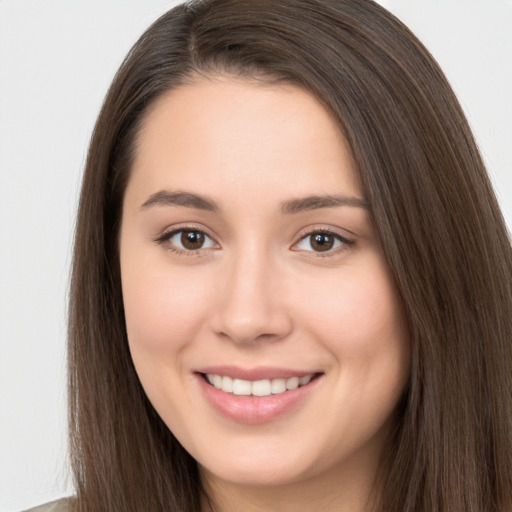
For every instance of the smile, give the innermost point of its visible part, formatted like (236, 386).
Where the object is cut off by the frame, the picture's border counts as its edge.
(265, 387)
(256, 395)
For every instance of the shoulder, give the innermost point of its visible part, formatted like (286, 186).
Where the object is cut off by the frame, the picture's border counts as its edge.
(62, 505)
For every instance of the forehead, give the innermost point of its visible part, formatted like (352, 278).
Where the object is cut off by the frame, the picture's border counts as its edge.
(252, 136)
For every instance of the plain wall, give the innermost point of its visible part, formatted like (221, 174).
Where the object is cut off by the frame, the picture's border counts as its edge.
(57, 58)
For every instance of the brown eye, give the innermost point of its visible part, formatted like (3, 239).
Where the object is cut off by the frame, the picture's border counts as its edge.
(192, 240)
(321, 242)
(187, 241)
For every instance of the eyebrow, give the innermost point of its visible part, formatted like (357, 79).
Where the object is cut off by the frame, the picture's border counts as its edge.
(187, 199)
(316, 202)
(200, 202)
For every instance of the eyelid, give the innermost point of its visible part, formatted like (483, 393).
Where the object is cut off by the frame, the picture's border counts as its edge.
(164, 237)
(346, 243)
(171, 231)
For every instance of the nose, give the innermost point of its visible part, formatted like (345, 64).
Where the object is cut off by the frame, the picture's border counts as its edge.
(251, 303)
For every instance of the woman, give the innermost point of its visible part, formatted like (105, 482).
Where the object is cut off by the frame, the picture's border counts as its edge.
(292, 282)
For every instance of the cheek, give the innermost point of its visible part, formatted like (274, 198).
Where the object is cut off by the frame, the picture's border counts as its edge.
(360, 320)
(163, 309)
(361, 308)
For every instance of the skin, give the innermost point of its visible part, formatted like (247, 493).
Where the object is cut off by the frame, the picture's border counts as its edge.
(258, 293)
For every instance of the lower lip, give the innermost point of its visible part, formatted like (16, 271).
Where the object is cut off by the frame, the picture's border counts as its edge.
(255, 409)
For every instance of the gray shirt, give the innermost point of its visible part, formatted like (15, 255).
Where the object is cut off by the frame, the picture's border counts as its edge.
(62, 505)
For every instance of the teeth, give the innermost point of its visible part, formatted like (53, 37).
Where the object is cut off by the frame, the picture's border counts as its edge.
(277, 386)
(241, 387)
(217, 381)
(227, 384)
(264, 387)
(261, 388)
(292, 383)
(304, 380)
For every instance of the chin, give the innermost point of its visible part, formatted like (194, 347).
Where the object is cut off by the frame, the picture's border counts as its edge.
(263, 466)
(257, 475)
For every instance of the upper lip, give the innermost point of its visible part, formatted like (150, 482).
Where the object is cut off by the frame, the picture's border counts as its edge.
(255, 373)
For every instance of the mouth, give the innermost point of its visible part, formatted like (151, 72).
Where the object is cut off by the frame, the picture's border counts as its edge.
(257, 388)
(257, 395)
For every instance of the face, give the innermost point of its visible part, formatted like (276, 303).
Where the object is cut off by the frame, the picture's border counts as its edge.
(261, 316)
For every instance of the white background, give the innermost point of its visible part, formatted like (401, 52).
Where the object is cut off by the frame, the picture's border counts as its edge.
(57, 58)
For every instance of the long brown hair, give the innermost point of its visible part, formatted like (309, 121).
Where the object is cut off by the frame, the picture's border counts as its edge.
(432, 206)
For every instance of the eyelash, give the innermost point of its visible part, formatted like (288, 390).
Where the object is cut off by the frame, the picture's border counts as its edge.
(344, 242)
(165, 238)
